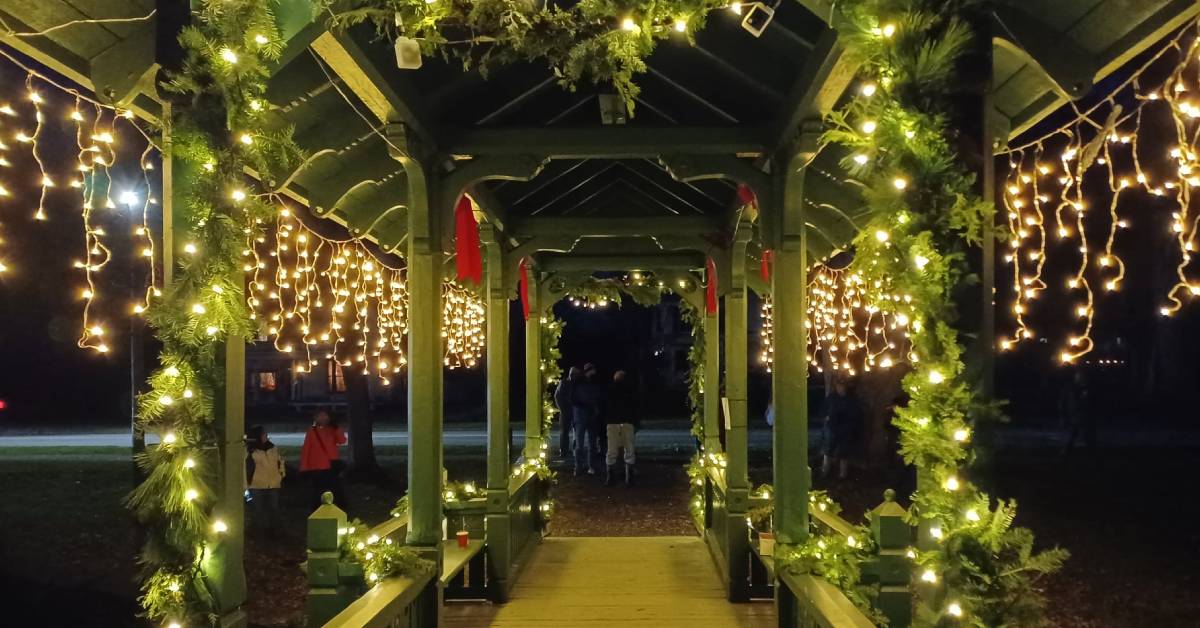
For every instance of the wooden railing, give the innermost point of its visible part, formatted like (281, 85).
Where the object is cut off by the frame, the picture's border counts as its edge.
(817, 603)
(809, 600)
(388, 604)
(339, 595)
(526, 519)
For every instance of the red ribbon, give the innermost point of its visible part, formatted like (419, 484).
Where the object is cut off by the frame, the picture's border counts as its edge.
(764, 269)
(710, 291)
(523, 288)
(746, 196)
(468, 261)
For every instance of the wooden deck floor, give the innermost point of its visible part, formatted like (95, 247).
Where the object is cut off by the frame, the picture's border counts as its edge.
(587, 582)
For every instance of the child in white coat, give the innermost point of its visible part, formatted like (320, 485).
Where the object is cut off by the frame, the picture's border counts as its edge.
(264, 473)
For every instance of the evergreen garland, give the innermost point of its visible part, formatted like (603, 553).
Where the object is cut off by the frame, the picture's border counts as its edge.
(217, 130)
(380, 558)
(976, 569)
(603, 41)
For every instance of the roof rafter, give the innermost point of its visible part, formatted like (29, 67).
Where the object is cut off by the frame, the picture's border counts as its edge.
(821, 82)
(612, 142)
(352, 65)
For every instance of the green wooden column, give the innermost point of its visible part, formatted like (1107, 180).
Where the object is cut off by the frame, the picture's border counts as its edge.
(425, 354)
(712, 381)
(790, 372)
(498, 529)
(789, 375)
(737, 480)
(534, 382)
(222, 566)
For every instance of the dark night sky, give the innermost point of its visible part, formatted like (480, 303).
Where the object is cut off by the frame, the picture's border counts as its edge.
(44, 377)
(46, 380)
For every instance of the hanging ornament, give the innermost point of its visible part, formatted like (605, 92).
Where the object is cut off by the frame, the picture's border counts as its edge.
(468, 258)
(523, 287)
(710, 291)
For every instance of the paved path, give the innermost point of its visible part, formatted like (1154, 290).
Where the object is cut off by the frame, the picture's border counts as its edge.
(632, 582)
(652, 438)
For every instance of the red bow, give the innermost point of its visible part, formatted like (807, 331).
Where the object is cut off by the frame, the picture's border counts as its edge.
(746, 196)
(468, 262)
(764, 269)
(710, 291)
(523, 288)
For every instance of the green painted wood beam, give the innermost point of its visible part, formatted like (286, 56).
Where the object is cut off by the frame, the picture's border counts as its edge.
(610, 142)
(467, 176)
(615, 227)
(425, 350)
(789, 374)
(712, 381)
(823, 9)
(736, 477)
(498, 528)
(823, 78)
(534, 381)
(620, 262)
(354, 67)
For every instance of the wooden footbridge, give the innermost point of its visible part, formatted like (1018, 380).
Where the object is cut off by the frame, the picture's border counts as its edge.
(634, 582)
(563, 189)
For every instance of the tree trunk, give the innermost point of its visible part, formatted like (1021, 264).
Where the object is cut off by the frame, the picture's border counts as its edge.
(358, 402)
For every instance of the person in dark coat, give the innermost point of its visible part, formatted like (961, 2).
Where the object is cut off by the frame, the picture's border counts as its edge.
(562, 399)
(620, 423)
(585, 416)
(842, 420)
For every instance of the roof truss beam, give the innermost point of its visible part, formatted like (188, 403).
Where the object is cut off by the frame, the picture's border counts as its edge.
(612, 142)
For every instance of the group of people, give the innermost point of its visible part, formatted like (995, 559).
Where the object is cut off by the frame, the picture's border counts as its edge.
(598, 418)
(320, 464)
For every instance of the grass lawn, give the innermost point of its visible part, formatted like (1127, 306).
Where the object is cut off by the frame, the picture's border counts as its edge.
(68, 548)
(1128, 517)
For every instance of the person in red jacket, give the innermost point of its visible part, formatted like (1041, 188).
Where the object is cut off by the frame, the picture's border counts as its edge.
(320, 461)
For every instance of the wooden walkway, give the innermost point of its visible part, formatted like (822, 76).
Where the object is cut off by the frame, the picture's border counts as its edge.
(585, 582)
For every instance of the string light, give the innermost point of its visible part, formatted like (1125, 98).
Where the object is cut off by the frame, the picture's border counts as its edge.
(331, 297)
(1048, 175)
(463, 319)
(851, 327)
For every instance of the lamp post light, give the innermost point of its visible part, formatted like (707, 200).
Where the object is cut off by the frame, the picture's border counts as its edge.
(130, 199)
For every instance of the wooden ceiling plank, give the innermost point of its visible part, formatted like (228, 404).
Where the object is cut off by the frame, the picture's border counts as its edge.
(611, 142)
(826, 74)
(348, 61)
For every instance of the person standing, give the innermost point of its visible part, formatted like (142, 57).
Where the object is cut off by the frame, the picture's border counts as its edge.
(842, 418)
(620, 421)
(562, 399)
(264, 472)
(320, 461)
(585, 415)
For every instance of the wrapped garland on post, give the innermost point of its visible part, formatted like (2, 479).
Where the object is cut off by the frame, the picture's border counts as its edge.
(596, 40)
(217, 129)
(974, 567)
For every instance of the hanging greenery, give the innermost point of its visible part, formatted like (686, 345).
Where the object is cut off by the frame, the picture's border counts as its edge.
(380, 558)
(693, 317)
(217, 131)
(595, 40)
(552, 329)
(976, 568)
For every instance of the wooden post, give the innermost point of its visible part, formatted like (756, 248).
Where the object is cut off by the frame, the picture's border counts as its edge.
(712, 381)
(222, 565)
(424, 366)
(790, 372)
(327, 594)
(789, 375)
(737, 480)
(534, 381)
(891, 568)
(498, 528)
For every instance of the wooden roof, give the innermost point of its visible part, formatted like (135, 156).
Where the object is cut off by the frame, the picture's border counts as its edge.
(732, 99)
